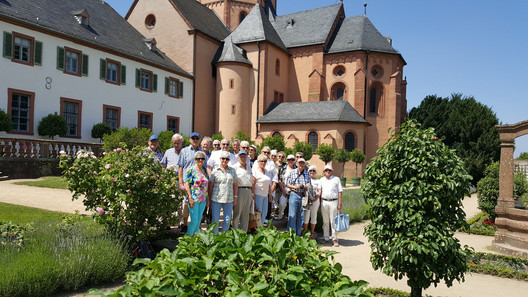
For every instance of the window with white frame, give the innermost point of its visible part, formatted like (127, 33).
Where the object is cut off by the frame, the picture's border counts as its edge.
(22, 49)
(72, 62)
(112, 70)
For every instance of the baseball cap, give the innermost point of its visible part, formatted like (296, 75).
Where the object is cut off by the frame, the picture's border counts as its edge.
(195, 134)
(153, 137)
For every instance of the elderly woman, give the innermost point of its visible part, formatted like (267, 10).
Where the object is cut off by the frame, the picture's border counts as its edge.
(262, 187)
(252, 155)
(196, 187)
(311, 212)
(223, 191)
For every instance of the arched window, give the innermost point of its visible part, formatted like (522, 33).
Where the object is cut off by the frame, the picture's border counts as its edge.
(276, 134)
(313, 139)
(373, 101)
(376, 93)
(242, 16)
(338, 91)
(350, 141)
(277, 67)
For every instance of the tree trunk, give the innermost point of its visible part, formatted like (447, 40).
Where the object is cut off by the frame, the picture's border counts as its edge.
(416, 292)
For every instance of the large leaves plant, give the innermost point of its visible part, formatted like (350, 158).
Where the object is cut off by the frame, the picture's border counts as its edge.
(415, 188)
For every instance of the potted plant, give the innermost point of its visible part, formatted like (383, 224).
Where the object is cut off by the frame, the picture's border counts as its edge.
(357, 156)
(51, 125)
(326, 153)
(342, 156)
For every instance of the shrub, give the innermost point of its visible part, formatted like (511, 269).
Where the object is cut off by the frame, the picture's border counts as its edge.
(275, 143)
(520, 185)
(342, 156)
(217, 136)
(100, 129)
(133, 194)
(126, 138)
(522, 156)
(5, 121)
(51, 125)
(13, 234)
(242, 135)
(305, 148)
(326, 153)
(414, 188)
(233, 263)
(499, 265)
(357, 156)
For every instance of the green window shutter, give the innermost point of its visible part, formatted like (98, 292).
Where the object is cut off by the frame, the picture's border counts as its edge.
(167, 86)
(138, 78)
(60, 58)
(123, 74)
(180, 94)
(8, 45)
(38, 53)
(102, 69)
(85, 65)
(154, 83)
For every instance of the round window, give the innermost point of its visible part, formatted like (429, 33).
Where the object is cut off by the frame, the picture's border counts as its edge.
(150, 21)
(339, 71)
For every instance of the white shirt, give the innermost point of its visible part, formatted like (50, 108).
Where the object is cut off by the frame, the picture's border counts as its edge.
(245, 178)
(330, 188)
(262, 185)
(214, 160)
(271, 170)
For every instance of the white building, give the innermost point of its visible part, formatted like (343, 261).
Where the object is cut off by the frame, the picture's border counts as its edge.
(82, 60)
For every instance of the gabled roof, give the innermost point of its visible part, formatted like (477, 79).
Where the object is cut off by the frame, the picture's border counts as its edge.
(257, 27)
(319, 111)
(106, 29)
(230, 52)
(308, 27)
(202, 18)
(358, 33)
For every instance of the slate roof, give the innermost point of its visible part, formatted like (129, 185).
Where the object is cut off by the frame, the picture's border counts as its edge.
(202, 18)
(107, 29)
(256, 26)
(309, 27)
(230, 52)
(319, 111)
(358, 33)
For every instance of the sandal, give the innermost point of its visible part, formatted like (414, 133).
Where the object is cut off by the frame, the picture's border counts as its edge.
(313, 236)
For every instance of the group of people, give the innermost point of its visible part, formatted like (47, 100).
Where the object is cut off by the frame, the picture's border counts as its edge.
(241, 181)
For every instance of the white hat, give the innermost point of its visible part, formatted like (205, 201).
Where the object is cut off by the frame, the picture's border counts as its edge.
(312, 167)
(273, 152)
(290, 157)
(328, 167)
(301, 160)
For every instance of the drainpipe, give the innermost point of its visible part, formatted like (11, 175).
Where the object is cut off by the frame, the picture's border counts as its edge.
(365, 99)
(258, 91)
(194, 81)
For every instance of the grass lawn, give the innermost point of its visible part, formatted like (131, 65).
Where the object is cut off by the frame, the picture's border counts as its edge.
(23, 214)
(54, 182)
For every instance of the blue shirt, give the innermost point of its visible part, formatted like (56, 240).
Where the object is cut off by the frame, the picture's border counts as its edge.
(158, 155)
(186, 159)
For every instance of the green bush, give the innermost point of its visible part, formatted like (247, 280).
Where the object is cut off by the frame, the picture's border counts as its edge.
(275, 143)
(233, 263)
(101, 129)
(52, 125)
(133, 194)
(325, 152)
(5, 121)
(387, 292)
(499, 265)
(217, 136)
(126, 138)
(522, 156)
(13, 234)
(305, 148)
(520, 185)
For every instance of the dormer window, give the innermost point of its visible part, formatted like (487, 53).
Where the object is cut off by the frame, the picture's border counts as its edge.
(82, 17)
(151, 43)
(289, 23)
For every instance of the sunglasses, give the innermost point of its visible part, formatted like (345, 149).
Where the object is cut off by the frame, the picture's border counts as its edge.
(328, 170)
(195, 138)
(216, 144)
(311, 170)
(244, 147)
(225, 159)
(199, 159)
(225, 143)
(266, 153)
(291, 160)
(263, 161)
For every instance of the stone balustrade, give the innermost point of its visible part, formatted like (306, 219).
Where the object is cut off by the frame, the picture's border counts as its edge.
(46, 149)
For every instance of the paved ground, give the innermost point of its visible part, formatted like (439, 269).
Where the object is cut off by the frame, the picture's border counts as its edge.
(354, 251)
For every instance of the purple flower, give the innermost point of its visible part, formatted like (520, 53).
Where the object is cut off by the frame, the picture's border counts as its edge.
(107, 166)
(99, 210)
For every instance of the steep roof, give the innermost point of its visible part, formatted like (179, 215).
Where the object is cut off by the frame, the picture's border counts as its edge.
(319, 111)
(358, 33)
(230, 52)
(306, 27)
(202, 18)
(256, 26)
(106, 29)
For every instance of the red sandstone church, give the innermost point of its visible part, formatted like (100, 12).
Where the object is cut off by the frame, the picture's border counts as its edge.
(314, 76)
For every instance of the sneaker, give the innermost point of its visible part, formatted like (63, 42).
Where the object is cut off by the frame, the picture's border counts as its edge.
(336, 244)
(326, 239)
(280, 217)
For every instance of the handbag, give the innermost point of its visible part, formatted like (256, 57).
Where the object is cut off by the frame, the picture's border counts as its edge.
(342, 222)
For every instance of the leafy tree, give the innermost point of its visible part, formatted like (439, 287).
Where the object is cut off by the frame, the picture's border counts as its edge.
(51, 125)
(522, 156)
(165, 140)
(305, 148)
(217, 136)
(242, 135)
(101, 129)
(326, 153)
(464, 125)
(414, 188)
(5, 121)
(275, 143)
(342, 156)
(357, 156)
(126, 138)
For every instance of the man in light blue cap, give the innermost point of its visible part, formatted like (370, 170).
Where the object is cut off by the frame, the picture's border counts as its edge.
(153, 144)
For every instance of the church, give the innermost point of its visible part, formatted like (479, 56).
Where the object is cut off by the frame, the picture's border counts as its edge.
(315, 76)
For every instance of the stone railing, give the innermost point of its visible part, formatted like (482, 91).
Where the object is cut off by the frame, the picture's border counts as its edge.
(521, 166)
(47, 149)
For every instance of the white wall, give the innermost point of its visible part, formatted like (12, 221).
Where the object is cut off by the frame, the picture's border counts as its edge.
(91, 90)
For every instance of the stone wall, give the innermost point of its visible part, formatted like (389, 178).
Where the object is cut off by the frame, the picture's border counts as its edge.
(29, 168)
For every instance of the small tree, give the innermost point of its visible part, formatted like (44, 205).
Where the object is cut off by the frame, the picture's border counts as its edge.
(242, 135)
(326, 153)
(275, 143)
(101, 129)
(342, 156)
(126, 138)
(305, 148)
(217, 136)
(414, 188)
(522, 156)
(357, 156)
(5, 121)
(51, 125)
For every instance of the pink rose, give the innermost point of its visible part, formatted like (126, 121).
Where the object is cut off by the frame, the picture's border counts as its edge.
(182, 188)
(99, 210)
(119, 149)
(107, 166)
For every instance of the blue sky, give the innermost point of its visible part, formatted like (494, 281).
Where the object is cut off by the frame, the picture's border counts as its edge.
(475, 47)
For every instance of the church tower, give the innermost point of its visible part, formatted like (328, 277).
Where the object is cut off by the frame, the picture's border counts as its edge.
(232, 12)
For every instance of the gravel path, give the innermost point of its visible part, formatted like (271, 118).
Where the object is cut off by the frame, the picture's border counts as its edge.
(354, 251)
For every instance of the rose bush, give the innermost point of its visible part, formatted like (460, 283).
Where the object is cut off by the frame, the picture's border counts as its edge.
(129, 191)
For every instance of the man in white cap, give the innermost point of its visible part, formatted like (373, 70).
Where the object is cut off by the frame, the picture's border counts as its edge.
(331, 194)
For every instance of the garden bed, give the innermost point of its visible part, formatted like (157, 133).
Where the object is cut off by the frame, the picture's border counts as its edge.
(499, 265)
(480, 224)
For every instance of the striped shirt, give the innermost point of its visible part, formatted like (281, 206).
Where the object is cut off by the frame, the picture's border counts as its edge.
(223, 184)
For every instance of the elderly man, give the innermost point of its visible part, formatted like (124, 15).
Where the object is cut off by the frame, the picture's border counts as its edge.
(296, 181)
(246, 193)
(172, 155)
(153, 144)
(236, 146)
(207, 143)
(331, 194)
(186, 161)
(282, 192)
(216, 145)
(215, 161)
